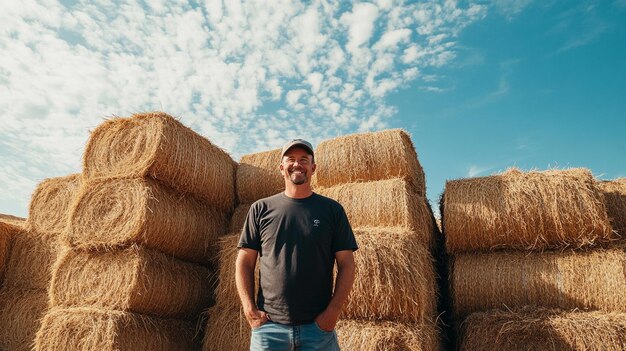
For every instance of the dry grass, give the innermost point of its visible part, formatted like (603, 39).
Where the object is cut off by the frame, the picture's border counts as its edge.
(226, 292)
(385, 203)
(395, 278)
(83, 328)
(592, 280)
(30, 260)
(134, 280)
(12, 220)
(20, 313)
(533, 210)
(387, 336)
(50, 204)
(239, 218)
(614, 192)
(367, 157)
(226, 330)
(120, 212)
(258, 176)
(157, 145)
(549, 330)
(9, 227)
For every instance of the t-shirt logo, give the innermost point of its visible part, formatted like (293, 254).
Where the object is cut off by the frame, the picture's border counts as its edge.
(316, 222)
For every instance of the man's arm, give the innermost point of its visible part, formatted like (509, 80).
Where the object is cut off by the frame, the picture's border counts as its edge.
(244, 278)
(343, 284)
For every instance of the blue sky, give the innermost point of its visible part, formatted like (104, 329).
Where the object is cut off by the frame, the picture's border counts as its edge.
(481, 86)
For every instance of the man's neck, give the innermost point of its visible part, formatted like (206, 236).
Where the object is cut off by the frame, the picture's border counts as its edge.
(298, 191)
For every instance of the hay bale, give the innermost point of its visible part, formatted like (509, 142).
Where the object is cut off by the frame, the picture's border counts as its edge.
(84, 328)
(541, 329)
(387, 336)
(155, 144)
(50, 204)
(227, 330)
(120, 212)
(239, 218)
(258, 176)
(592, 280)
(20, 314)
(614, 192)
(8, 229)
(384, 203)
(370, 156)
(226, 292)
(533, 210)
(395, 278)
(134, 280)
(30, 260)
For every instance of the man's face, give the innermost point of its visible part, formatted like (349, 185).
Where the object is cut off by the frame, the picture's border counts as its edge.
(297, 166)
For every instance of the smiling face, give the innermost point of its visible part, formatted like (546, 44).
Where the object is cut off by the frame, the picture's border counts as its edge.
(297, 166)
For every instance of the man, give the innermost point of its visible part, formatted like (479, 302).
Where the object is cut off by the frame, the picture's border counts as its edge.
(298, 236)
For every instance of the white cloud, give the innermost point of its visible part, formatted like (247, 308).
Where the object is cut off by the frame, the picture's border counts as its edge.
(511, 8)
(361, 25)
(475, 170)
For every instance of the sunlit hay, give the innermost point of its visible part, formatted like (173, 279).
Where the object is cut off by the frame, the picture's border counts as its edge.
(542, 329)
(134, 279)
(226, 292)
(157, 145)
(119, 212)
(384, 203)
(9, 228)
(592, 280)
(30, 260)
(50, 204)
(369, 156)
(20, 314)
(239, 218)
(86, 328)
(258, 176)
(614, 192)
(387, 336)
(395, 278)
(524, 210)
(227, 330)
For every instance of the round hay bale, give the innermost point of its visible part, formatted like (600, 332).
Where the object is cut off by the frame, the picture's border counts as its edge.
(86, 328)
(258, 176)
(226, 294)
(590, 280)
(120, 212)
(8, 229)
(155, 144)
(371, 156)
(387, 336)
(543, 329)
(614, 192)
(226, 330)
(395, 278)
(385, 203)
(524, 210)
(134, 279)
(20, 314)
(30, 260)
(239, 218)
(50, 204)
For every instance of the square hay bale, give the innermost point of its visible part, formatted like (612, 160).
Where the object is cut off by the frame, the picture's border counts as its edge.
(258, 176)
(8, 229)
(395, 278)
(227, 330)
(120, 212)
(371, 156)
(20, 313)
(387, 336)
(385, 203)
(226, 292)
(155, 144)
(134, 280)
(543, 329)
(85, 328)
(30, 260)
(50, 204)
(614, 192)
(588, 280)
(239, 218)
(524, 210)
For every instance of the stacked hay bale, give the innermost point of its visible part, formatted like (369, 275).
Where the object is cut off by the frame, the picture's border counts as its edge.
(614, 192)
(33, 248)
(531, 252)
(141, 237)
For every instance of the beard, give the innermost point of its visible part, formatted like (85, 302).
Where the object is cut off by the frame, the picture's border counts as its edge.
(297, 179)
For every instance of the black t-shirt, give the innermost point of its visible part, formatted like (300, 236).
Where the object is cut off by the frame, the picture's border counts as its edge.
(296, 240)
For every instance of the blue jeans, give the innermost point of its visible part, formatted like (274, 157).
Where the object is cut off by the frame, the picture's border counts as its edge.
(305, 337)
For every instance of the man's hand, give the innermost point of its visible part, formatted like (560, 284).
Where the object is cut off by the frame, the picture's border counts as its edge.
(256, 317)
(327, 319)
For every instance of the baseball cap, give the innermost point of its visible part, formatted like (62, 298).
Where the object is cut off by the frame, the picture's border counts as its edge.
(297, 142)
